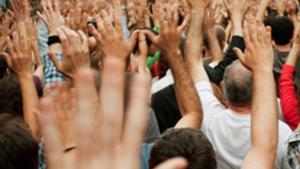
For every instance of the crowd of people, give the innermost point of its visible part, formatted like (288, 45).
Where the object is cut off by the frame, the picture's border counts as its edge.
(149, 84)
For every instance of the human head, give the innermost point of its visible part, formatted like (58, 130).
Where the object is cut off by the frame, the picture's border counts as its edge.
(18, 149)
(282, 30)
(11, 96)
(188, 143)
(238, 85)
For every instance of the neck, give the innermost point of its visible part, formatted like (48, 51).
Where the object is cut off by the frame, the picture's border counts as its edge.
(283, 48)
(240, 109)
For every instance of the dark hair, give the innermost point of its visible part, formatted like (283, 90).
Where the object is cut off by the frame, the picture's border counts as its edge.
(238, 84)
(18, 149)
(11, 96)
(282, 30)
(188, 143)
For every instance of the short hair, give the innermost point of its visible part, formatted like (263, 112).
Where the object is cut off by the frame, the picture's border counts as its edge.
(282, 30)
(238, 84)
(188, 143)
(11, 95)
(18, 149)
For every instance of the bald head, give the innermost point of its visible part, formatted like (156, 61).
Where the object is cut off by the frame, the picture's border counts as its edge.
(238, 84)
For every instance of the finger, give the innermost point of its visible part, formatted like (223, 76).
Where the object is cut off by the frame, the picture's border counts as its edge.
(112, 105)
(260, 31)
(57, 63)
(7, 58)
(43, 18)
(133, 40)
(246, 33)
(174, 163)
(16, 42)
(64, 40)
(239, 54)
(137, 118)
(253, 34)
(51, 133)
(184, 24)
(268, 36)
(86, 109)
(142, 43)
(84, 39)
(151, 36)
(95, 33)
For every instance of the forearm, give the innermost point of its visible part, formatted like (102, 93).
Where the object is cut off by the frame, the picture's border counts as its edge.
(30, 103)
(288, 97)
(216, 50)
(292, 58)
(194, 38)
(193, 47)
(237, 28)
(264, 113)
(184, 88)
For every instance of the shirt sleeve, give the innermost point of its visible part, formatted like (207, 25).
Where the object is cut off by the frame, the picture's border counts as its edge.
(289, 101)
(50, 72)
(216, 74)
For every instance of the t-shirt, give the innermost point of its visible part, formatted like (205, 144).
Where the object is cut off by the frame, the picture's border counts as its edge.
(230, 132)
(279, 60)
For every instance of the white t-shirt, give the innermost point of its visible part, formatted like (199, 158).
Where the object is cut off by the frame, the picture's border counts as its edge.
(229, 132)
(162, 83)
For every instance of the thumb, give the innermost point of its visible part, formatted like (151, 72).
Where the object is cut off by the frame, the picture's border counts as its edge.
(239, 54)
(55, 60)
(7, 58)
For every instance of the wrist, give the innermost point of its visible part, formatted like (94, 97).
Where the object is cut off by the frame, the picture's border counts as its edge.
(263, 71)
(25, 76)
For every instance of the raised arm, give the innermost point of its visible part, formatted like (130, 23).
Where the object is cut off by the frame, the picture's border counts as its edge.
(237, 10)
(19, 59)
(168, 42)
(215, 48)
(259, 58)
(289, 100)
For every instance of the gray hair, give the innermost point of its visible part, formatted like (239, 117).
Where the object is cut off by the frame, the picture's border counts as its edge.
(238, 84)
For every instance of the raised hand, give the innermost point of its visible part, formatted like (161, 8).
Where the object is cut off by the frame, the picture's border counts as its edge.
(169, 38)
(259, 52)
(137, 13)
(52, 16)
(75, 51)
(99, 141)
(110, 36)
(238, 8)
(19, 55)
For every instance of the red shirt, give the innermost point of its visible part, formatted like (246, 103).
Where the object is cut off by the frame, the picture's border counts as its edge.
(289, 100)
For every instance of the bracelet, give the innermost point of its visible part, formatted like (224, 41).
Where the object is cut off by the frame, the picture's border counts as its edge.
(69, 149)
(53, 40)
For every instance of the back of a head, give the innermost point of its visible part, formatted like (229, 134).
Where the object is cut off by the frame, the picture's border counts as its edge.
(10, 94)
(238, 85)
(282, 30)
(18, 149)
(188, 143)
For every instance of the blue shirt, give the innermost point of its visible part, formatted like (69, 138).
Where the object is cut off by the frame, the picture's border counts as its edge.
(146, 150)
